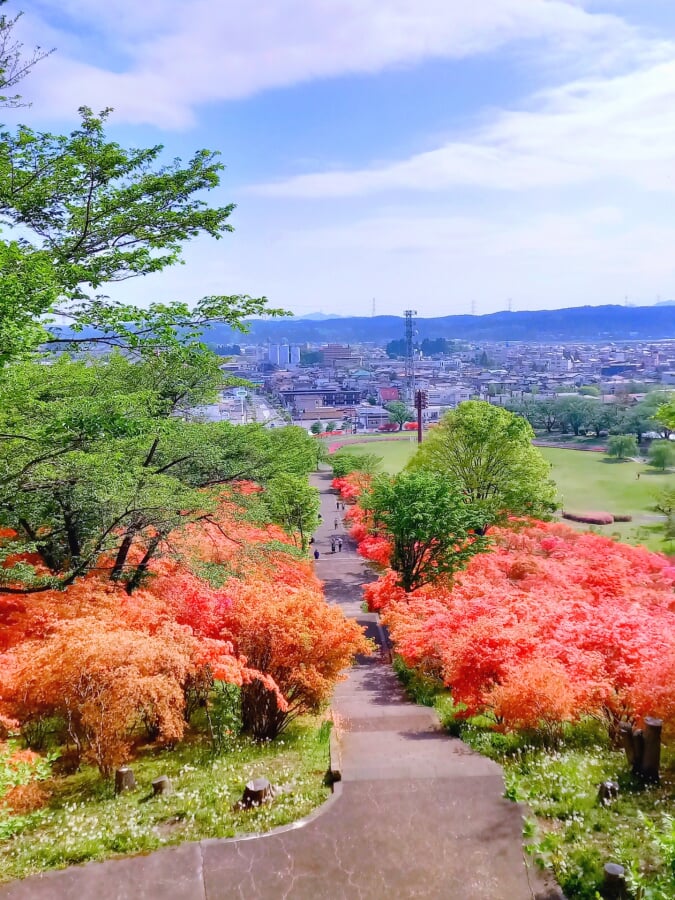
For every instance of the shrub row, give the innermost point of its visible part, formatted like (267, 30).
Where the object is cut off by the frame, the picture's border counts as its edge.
(596, 518)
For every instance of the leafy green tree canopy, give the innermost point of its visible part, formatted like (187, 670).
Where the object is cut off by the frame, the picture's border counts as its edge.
(346, 461)
(622, 446)
(662, 455)
(433, 530)
(400, 413)
(487, 451)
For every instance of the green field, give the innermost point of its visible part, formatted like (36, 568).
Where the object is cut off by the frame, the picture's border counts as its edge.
(586, 481)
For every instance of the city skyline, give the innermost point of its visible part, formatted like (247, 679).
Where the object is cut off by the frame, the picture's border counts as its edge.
(455, 159)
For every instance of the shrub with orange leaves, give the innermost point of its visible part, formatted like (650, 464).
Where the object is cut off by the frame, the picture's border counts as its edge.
(298, 640)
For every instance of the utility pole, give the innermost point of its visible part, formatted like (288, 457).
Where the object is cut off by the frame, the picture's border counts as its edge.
(410, 354)
(421, 402)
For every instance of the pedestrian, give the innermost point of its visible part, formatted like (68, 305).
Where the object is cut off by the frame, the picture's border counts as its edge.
(332, 545)
(638, 476)
(340, 544)
(337, 522)
(316, 554)
(320, 517)
(337, 504)
(311, 540)
(343, 507)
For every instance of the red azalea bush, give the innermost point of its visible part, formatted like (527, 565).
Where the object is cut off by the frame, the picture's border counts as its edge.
(546, 604)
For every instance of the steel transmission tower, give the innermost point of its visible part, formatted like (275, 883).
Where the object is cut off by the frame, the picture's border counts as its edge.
(410, 354)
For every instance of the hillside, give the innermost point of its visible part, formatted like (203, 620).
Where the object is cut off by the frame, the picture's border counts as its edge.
(586, 323)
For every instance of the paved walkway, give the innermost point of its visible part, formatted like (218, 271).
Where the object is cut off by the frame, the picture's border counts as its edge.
(417, 814)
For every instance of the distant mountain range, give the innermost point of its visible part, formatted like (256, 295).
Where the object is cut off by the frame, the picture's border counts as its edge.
(576, 324)
(579, 323)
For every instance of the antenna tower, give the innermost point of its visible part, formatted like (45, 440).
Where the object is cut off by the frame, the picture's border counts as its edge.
(410, 354)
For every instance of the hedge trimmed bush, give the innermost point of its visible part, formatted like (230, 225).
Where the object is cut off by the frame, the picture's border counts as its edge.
(623, 517)
(590, 518)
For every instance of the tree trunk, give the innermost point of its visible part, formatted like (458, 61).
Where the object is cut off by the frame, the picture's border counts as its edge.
(162, 785)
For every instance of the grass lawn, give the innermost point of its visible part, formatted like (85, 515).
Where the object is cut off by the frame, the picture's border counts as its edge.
(590, 481)
(84, 820)
(395, 454)
(586, 481)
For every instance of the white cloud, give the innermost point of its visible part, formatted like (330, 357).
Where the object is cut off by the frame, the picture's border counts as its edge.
(618, 127)
(171, 55)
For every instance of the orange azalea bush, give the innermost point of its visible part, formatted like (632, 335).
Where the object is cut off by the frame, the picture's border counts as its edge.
(108, 663)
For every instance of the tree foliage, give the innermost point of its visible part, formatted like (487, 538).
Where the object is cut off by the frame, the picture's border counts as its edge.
(399, 413)
(431, 528)
(662, 455)
(622, 446)
(487, 451)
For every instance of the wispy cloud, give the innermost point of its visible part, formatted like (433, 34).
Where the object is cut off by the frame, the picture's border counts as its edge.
(612, 127)
(170, 56)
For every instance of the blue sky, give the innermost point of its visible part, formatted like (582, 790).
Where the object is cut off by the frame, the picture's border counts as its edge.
(427, 153)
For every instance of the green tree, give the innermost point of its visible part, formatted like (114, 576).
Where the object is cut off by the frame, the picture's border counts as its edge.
(91, 212)
(662, 455)
(666, 413)
(665, 504)
(574, 413)
(622, 446)
(433, 530)
(589, 390)
(294, 505)
(400, 413)
(600, 417)
(346, 461)
(317, 428)
(487, 451)
(93, 457)
(331, 426)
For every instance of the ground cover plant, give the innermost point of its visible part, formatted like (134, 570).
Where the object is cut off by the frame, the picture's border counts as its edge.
(72, 818)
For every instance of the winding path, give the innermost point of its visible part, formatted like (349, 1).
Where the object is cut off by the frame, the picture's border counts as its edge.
(417, 814)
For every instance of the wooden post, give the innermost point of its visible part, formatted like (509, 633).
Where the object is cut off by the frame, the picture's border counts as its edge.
(124, 780)
(638, 750)
(419, 417)
(614, 885)
(626, 735)
(162, 785)
(651, 758)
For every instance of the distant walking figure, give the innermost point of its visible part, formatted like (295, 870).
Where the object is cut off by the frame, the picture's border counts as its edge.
(638, 476)
(332, 545)
(337, 521)
(316, 554)
(340, 544)
(337, 504)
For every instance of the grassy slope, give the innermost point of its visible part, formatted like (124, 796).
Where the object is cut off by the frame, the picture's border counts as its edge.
(84, 820)
(586, 481)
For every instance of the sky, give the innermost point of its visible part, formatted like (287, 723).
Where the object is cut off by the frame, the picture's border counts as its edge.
(441, 155)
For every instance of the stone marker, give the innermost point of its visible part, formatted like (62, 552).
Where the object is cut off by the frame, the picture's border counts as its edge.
(162, 785)
(124, 780)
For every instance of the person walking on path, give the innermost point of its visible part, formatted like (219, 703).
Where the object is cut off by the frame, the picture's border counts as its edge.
(332, 545)
(339, 543)
(316, 554)
(337, 522)
(337, 504)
